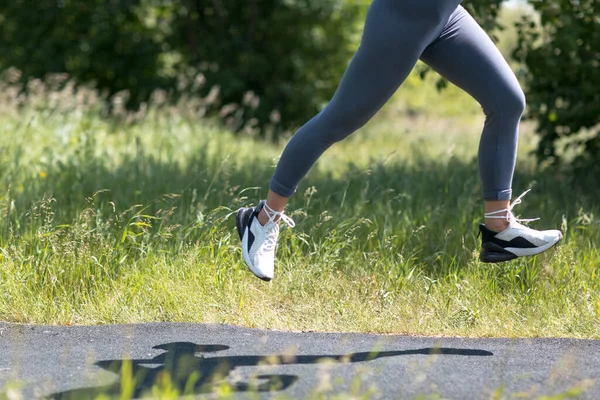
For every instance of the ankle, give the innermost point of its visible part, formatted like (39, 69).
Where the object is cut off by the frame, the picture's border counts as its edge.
(496, 225)
(264, 217)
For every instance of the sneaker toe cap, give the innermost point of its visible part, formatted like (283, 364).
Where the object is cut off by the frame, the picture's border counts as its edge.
(552, 236)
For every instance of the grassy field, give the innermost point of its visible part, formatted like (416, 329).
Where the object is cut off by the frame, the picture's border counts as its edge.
(116, 222)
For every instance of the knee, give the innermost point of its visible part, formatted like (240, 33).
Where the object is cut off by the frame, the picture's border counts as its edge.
(337, 126)
(516, 102)
(509, 102)
(348, 125)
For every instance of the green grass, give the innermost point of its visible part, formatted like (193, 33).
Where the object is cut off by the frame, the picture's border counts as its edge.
(117, 222)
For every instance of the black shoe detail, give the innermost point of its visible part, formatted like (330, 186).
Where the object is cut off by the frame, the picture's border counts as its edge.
(493, 249)
(242, 220)
(488, 235)
(492, 253)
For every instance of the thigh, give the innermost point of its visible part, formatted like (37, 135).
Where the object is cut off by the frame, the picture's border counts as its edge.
(466, 56)
(392, 42)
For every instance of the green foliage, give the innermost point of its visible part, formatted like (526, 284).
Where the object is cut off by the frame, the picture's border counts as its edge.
(114, 223)
(274, 62)
(486, 13)
(563, 63)
(97, 41)
(268, 66)
(265, 65)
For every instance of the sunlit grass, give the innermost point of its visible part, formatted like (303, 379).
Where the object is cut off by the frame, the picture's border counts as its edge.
(116, 222)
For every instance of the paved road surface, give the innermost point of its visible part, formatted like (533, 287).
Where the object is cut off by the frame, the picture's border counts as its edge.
(81, 362)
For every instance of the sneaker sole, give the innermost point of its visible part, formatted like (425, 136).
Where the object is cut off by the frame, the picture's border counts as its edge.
(492, 253)
(247, 259)
(242, 220)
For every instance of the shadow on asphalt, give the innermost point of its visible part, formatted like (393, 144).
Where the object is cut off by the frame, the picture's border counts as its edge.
(184, 368)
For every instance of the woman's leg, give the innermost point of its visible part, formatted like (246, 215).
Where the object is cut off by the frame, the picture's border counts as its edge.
(466, 56)
(395, 35)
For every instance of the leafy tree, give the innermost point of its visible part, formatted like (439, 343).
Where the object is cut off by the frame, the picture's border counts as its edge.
(289, 55)
(275, 62)
(104, 42)
(486, 14)
(563, 75)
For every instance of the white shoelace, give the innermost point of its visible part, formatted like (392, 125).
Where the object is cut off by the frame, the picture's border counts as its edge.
(272, 214)
(273, 232)
(510, 217)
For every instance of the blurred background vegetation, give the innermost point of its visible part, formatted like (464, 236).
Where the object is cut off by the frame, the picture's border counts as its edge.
(266, 66)
(133, 129)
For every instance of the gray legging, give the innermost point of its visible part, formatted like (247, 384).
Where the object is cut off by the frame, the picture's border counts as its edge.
(398, 33)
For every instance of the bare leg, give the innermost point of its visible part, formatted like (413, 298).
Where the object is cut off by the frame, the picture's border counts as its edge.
(495, 224)
(275, 202)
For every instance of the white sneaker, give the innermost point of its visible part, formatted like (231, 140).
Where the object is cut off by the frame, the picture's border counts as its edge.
(515, 241)
(260, 242)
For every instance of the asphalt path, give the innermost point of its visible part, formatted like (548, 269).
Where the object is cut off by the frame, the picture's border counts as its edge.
(208, 361)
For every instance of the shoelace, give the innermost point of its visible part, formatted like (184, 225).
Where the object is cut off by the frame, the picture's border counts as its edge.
(510, 217)
(273, 232)
(272, 214)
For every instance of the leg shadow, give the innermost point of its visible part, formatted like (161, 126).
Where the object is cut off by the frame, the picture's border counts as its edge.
(185, 368)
